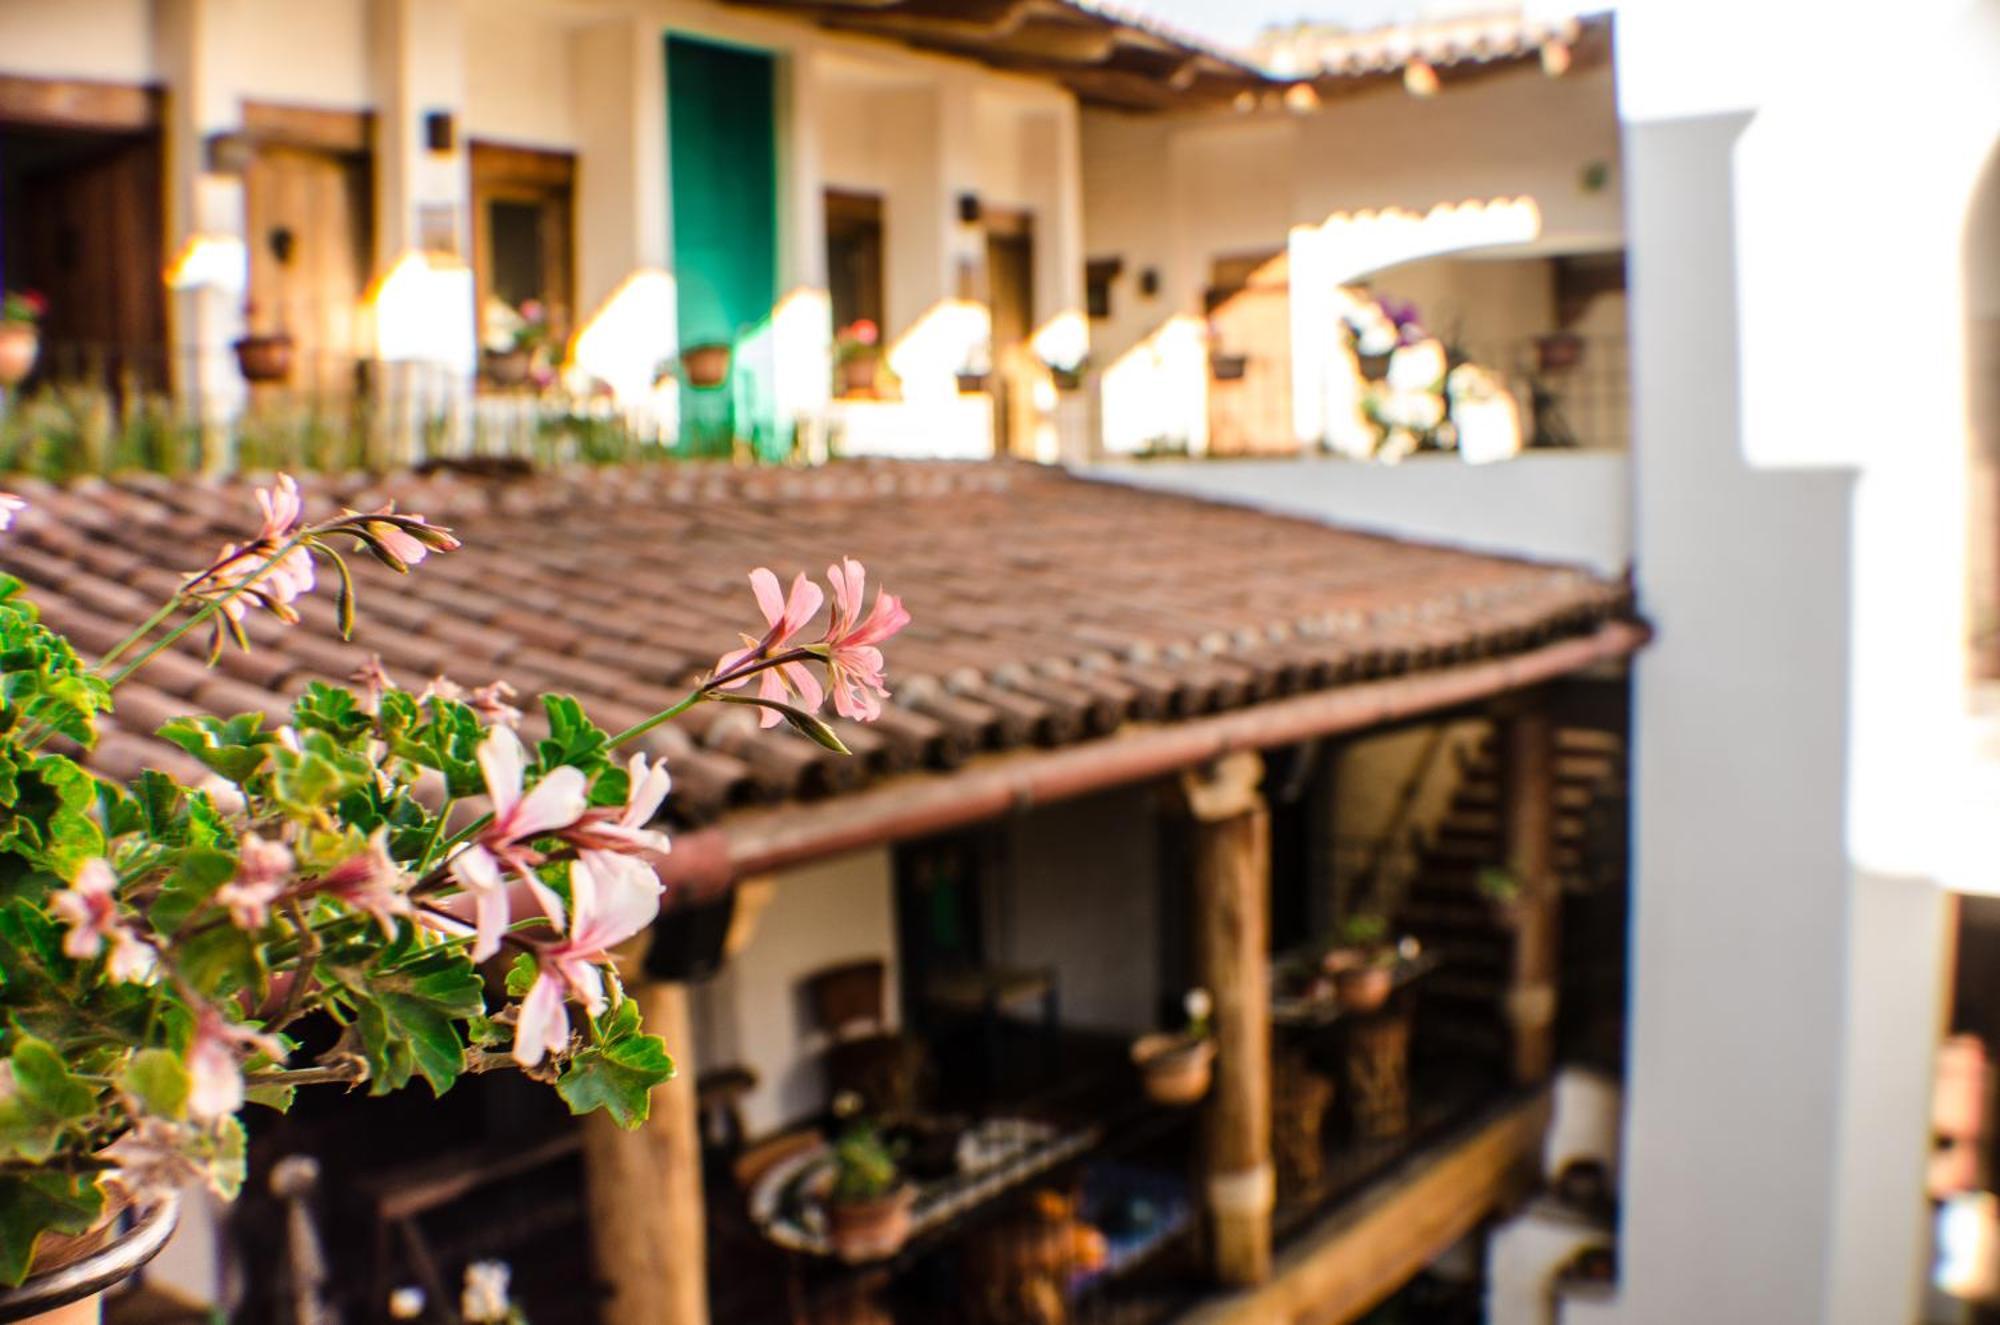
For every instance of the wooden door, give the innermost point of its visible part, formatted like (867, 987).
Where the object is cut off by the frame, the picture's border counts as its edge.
(523, 203)
(1250, 327)
(854, 257)
(83, 228)
(310, 254)
(1010, 277)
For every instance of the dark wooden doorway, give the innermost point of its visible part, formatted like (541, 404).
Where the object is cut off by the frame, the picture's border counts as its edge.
(523, 223)
(854, 247)
(1010, 289)
(81, 223)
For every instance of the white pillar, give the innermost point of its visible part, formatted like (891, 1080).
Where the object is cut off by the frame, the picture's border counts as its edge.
(803, 325)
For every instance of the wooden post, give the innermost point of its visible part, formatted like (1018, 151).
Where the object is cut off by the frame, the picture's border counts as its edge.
(1527, 780)
(1232, 880)
(646, 1210)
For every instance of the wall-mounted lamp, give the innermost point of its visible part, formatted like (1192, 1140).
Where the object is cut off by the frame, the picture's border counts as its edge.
(1420, 79)
(968, 208)
(1149, 282)
(438, 130)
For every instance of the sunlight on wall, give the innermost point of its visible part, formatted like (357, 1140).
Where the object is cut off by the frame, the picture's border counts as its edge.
(1156, 395)
(211, 262)
(802, 338)
(629, 337)
(1342, 250)
(423, 310)
(1063, 341)
(949, 337)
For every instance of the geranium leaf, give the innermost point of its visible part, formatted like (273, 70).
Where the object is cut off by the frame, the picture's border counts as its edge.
(32, 1204)
(618, 1073)
(159, 1081)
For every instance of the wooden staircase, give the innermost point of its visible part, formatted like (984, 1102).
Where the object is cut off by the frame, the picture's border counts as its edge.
(1463, 1007)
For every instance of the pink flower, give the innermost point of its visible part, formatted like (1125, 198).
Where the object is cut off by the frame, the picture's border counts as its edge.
(215, 1069)
(10, 506)
(89, 909)
(262, 871)
(371, 881)
(283, 510)
(853, 663)
(787, 682)
(374, 680)
(628, 830)
(242, 567)
(490, 702)
(605, 913)
(556, 802)
(394, 543)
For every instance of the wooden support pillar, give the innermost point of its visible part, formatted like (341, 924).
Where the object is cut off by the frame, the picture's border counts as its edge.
(1232, 881)
(1527, 779)
(646, 1212)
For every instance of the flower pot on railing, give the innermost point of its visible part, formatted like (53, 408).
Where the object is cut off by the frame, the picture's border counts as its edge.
(20, 344)
(1175, 1068)
(507, 367)
(706, 365)
(857, 375)
(1067, 379)
(265, 359)
(1364, 983)
(968, 383)
(71, 1274)
(1228, 367)
(1374, 367)
(870, 1230)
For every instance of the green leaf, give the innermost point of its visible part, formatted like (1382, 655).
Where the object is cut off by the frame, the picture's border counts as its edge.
(220, 961)
(618, 1073)
(573, 738)
(32, 1204)
(407, 1014)
(232, 747)
(330, 709)
(39, 1098)
(308, 780)
(159, 1081)
(521, 973)
(197, 873)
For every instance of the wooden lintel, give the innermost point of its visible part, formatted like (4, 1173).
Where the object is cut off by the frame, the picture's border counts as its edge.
(1363, 1252)
(1224, 787)
(77, 103)
(342, 131)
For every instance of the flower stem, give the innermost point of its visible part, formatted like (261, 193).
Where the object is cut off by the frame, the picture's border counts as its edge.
(166, 610)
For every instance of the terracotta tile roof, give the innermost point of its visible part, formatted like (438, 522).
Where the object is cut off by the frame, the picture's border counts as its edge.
(1467, 41)
(1049, 610)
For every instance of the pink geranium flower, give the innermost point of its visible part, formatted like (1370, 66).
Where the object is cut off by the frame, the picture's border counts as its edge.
(556, 802)
(789, 682)
(371, 881)
(214, 1064)
(274, 587)
(853, 662)
(10, 506)
(628, 829)
(262, 871)
(91, 912)
(604, 914)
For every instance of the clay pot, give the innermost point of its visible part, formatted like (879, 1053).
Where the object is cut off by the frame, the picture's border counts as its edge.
(871, 1230)
(1175, 1069)
(507, 367)
(1364, 987)
(857, 375)
(1067, 379)
(1374, 367)
(265, 359)
(969, 383)
(1228, 367)
(20, 343)
(72, 1274)
(706, 365)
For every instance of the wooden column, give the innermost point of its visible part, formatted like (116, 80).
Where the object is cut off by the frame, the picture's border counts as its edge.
(1232, 880)
(1527, 779)
(646, 1211)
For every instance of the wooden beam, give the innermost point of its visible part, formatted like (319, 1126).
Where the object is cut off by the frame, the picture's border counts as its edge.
(76, 103)
(1528, 815)
(1232, 889)
(646, 1210)
(346, 131)
(1367, 1249)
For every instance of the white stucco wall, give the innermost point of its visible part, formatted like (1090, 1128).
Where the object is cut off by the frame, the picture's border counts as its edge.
(519, 85)
(1572, 506)
(102, 39)
(754, 1012)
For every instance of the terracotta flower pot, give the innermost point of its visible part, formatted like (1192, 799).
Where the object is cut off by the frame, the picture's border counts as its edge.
(871, 1230)
(1228, 367)
(507, 367)
(1175, 1069)
(857, 375)
(969, 383)
(71, 1274)
(1067, 379)
(706, 365)
(1364, 987)
(20, 343)
(265, 359)
(1374, 367)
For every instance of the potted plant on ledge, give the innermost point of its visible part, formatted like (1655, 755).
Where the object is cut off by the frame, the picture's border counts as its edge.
(263, 357)
(21, 313)
(1363, 963)
(517, 341)
(163, 944)
(1176, 1066)
(857, 353)
(868, 1205)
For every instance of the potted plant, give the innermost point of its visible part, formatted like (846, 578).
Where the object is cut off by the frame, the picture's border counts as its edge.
(1176, 1066)
(868, 1205)
(265, 357)
(856, 355)
(707, 364)
(21, 313)
(162, 944)
(1503, 895)
(1363, 963)
(1068, 375)
(517, 341)
(1228, 367)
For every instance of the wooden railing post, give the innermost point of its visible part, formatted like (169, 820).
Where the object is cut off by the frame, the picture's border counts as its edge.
(1232, 880)
(646, 1212)
(1528, 783)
